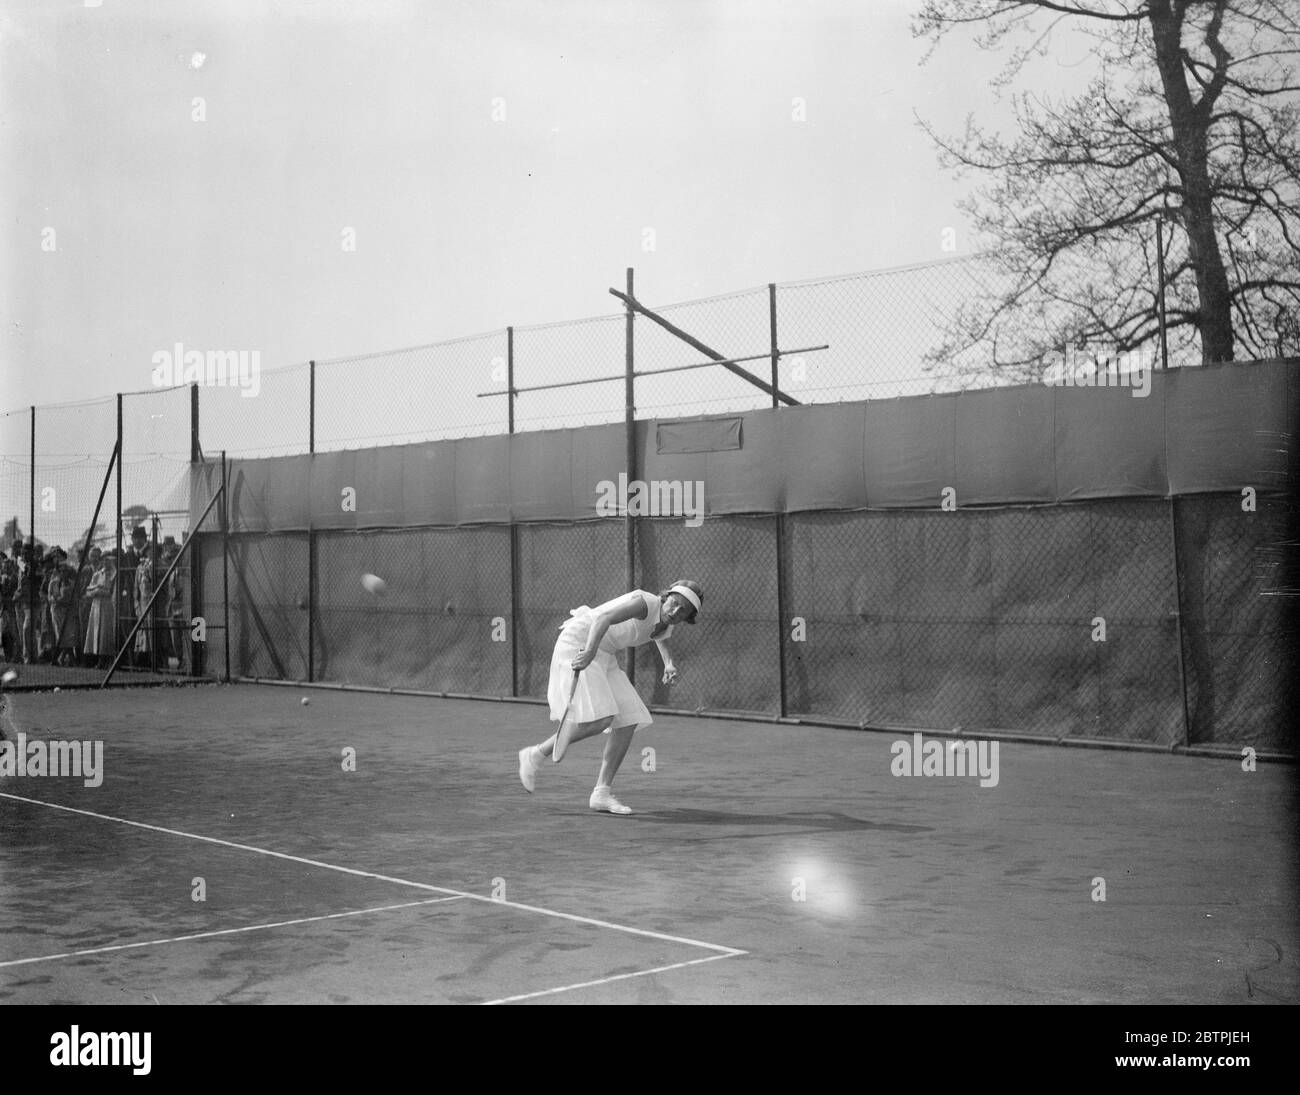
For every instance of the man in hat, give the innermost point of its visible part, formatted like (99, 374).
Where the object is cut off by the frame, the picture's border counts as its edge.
(23, 600)
(126, 569)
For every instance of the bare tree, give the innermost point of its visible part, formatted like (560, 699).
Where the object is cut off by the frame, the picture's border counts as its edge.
(1191, 117)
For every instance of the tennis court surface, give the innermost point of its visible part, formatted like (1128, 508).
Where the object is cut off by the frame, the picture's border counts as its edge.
(764, 863)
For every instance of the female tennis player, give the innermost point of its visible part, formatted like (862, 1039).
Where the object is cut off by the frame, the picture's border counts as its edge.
(604, 700)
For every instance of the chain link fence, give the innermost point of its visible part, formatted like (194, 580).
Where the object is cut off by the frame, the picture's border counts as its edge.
(1069, 622)
(956, 323)
(984, 620)
(1159, 622)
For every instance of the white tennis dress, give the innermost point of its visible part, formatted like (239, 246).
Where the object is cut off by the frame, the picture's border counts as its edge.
(603, 688)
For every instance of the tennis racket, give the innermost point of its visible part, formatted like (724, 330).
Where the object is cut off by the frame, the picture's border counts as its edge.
(561, 738)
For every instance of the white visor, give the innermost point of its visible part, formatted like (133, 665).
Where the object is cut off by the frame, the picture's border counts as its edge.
(689, 594)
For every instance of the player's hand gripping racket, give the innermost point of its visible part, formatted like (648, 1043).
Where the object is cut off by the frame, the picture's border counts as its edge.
(565, 731)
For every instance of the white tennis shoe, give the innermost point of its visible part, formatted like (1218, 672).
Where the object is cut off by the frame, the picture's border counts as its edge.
(602, 798)
(530, 760)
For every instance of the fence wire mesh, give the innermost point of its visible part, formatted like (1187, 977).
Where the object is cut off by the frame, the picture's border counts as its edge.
(557, 353)
(276, 421)
(560, 568)
(426, 393)
(729, 660)
(444, 623)
(987, 620)
(735, 325)
(1239, 638)
(267, 617)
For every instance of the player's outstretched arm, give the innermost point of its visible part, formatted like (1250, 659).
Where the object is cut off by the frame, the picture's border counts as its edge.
(670, 670)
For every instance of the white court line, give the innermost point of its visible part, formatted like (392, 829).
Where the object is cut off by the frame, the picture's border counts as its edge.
(223, 931)
(607, 980)
(728, 951)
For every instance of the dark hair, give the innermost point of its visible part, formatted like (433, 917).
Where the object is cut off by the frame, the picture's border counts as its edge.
(694, 587)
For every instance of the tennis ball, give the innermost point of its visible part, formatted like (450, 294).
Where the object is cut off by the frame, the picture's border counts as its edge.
(373, 584)
(56, 688)
(305, 701)
(302, 602)
(10, 675)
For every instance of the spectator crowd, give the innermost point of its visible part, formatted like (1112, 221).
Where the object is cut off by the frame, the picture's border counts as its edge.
(52, 612)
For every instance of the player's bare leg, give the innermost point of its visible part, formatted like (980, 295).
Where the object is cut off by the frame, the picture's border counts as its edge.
(602, 798)
(530, 758)
(615, 750)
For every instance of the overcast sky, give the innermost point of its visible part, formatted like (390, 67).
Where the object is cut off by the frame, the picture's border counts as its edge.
(611, 117)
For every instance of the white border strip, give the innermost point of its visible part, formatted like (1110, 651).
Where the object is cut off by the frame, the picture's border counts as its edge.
(223, 931)
(725, 951)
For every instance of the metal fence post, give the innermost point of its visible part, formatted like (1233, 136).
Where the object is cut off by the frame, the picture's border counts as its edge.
(1178, 619)
(311, 529)
(311, 406)
(225, 564)
(510, 380)
(33, 569)
(514, 529)
(311, 602)
(197, 662)
(780, 519)
(629, 426)
(1160, 295)
(152, 640)
(117, 571)
(195, 447)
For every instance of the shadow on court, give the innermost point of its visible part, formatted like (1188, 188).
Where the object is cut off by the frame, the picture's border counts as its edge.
(242, 847)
